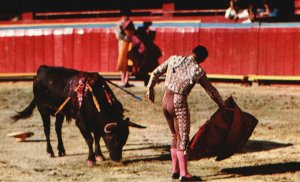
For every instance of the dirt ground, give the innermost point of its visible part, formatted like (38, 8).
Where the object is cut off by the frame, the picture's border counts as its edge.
(271, 154)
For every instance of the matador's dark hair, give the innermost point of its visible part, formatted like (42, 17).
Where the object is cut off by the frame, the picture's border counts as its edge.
(201, 52)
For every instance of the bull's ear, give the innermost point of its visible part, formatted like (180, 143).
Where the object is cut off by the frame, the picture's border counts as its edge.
(133, 124)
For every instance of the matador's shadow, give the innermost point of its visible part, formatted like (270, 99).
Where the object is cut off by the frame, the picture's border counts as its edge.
(265, 169)
(261, 145)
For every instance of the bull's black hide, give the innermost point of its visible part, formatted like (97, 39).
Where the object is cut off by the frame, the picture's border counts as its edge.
(53, 85)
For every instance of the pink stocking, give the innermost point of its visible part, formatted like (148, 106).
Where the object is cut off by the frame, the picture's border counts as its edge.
(182, 164)
(175, 165)
(122, 78)
(126, 77)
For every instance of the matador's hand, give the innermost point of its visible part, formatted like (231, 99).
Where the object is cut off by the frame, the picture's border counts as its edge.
(150, 94)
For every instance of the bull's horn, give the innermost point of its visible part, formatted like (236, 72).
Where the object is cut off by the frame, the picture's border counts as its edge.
(134, 124)
(109, 126)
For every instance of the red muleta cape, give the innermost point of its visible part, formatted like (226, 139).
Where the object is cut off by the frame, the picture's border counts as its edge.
(222, 137)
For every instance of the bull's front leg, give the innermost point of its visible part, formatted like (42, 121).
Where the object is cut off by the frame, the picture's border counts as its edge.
(89, 141)
(98, 153)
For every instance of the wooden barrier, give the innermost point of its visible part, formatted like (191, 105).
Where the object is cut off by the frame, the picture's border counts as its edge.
(234, 49)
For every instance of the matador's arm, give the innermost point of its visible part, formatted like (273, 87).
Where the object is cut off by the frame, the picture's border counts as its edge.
(211, 90)
(161, 69)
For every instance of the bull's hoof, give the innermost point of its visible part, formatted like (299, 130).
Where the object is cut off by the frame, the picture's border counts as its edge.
(61, 154)
(51, 155)
(100, 158)
(90, 163)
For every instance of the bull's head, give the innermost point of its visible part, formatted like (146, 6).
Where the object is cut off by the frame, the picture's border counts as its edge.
(115, 137)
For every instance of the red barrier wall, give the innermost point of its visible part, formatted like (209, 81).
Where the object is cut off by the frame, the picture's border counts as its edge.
(279, 51)
(233, 51)
(84, 49)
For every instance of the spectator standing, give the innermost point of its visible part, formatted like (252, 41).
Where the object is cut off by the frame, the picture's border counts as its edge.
(123, 47)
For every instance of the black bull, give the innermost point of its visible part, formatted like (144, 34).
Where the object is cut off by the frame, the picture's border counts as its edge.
(53, 85)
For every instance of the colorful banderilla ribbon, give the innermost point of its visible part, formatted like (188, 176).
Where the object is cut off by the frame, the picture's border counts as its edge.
(62, 106)
(94, 98)
(66, 101)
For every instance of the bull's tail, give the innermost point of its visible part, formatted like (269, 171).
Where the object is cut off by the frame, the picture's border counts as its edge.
(26, 113)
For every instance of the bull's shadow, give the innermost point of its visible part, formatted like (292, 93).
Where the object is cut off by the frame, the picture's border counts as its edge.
(162, 157)
(164, 149)
(148, 146)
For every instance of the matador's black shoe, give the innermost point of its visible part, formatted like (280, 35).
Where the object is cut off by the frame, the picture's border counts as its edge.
(175, 176)
(193, 178)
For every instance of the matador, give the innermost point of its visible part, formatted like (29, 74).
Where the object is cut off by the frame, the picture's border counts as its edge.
(182, 73)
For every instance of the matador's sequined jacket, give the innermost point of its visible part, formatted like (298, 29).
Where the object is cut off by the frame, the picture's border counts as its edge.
(182, 73)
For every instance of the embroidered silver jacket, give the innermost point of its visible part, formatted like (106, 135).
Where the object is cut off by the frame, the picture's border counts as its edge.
(182, 73)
